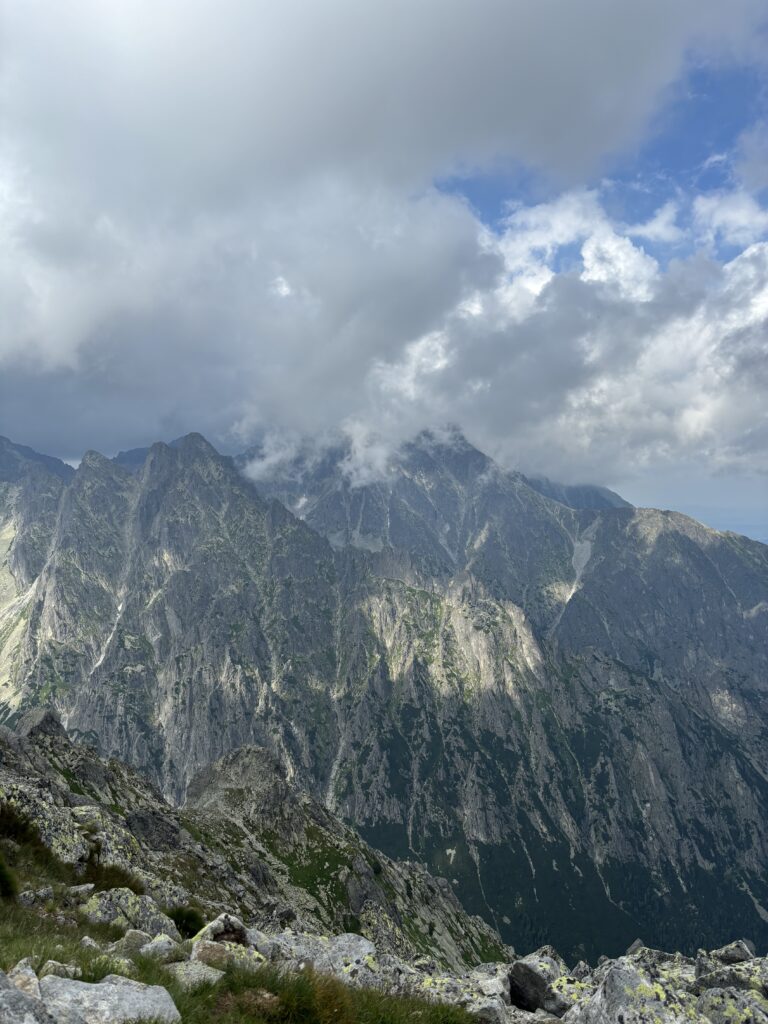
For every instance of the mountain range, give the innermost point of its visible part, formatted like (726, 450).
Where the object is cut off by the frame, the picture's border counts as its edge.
(554, 700)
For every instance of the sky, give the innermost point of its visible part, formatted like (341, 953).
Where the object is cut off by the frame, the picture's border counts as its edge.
(544, 222)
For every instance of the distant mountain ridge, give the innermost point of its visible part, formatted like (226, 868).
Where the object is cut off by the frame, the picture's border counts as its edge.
(560, 709)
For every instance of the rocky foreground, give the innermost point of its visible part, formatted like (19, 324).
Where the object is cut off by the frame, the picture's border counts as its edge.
(725, 986)
(117, 907)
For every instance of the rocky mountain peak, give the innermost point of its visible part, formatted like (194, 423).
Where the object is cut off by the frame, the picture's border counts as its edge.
(17, 459)
(560, 710)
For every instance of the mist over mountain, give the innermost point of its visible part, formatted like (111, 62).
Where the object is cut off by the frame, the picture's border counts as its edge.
(558, 705)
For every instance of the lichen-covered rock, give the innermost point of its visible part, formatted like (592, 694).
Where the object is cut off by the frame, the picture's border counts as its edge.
(124, 908)
(30, 897)
(492, 980)
(226, 954)
(54, 967)
(114, 1000)
(349, 948)
(733, 1006)
(164, 949)
(267, 945)
(121, 965)
(16, 1007)
(747, 975)
(308, 949)
(627, 994)
(192, 974)
(581, 971)
(672, 968)
(77, 894)
(517, 1016)
(462, 992)
(164, 892)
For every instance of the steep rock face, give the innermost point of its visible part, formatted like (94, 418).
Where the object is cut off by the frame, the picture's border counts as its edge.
(567, 708)
(562, 710)
(174, 612)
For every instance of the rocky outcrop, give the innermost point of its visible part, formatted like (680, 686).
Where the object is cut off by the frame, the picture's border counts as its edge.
(126, 908)
(643, 987)
(247, 845)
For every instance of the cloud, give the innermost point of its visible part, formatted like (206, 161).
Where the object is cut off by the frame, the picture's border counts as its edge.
(222, 217)
(159, 109)
(735, 218)
(662, 226)
(610, 366)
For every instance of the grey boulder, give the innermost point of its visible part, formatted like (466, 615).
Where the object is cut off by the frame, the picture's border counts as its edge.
(532, 982)
(628, 994)
(735, 952)
(124, 907)
(114, 1000)
(192, 974)
(164, 949)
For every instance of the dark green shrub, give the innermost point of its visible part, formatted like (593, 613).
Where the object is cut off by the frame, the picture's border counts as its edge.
(188, 920)
(9, 889)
